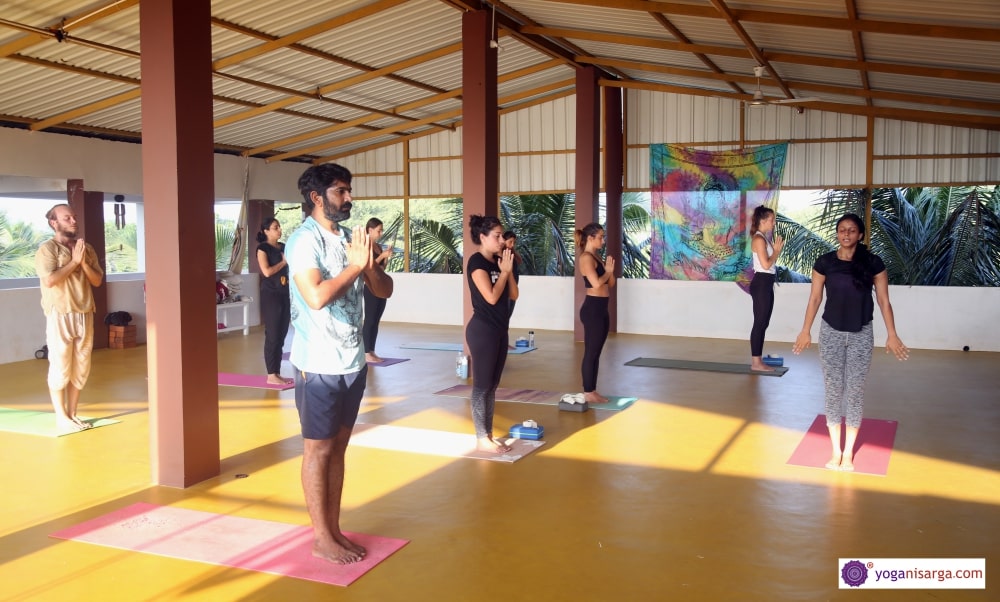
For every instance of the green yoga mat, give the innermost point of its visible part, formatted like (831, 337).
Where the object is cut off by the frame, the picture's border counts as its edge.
(654, 362)
(30, 422)
(456, 347)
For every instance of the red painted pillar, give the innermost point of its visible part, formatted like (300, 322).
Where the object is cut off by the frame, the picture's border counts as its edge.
(614, 180)
(480, 131)
(178, 192)
(89, 209)
(588, 151)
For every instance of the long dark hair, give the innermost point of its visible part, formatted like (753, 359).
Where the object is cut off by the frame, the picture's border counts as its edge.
(862, 260)
(480, 225)
(261, 237)
(584, 233)
(760, 214)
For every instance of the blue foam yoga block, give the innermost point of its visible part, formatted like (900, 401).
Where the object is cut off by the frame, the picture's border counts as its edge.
(774, 360)
(519, 431)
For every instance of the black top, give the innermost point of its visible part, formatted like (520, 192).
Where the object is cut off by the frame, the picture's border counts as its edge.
(600, 271)
(497, 315)
(848, 306)
(277, 282)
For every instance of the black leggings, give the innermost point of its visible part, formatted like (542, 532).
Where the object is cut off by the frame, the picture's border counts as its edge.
(762, 293)
(596, 323)
(488, 348)
(274, 312)
(374, 308)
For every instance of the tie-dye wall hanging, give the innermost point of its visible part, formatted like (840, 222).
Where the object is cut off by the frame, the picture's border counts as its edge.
(700, 205)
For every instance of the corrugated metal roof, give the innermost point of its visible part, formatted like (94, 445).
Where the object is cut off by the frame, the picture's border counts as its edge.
(951, 67)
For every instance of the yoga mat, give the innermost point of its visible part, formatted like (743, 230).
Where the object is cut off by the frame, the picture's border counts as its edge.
(30, 422)
(653, 362)
(456, 347)
(548, 398)
(244, 543)
(435, 443)
(872, 447)
(253, 381)
(386, 361)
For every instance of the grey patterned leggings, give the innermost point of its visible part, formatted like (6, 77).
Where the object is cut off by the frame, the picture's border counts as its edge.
(846, 358)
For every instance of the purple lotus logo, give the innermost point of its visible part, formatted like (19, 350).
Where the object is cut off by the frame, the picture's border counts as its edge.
(854, 573)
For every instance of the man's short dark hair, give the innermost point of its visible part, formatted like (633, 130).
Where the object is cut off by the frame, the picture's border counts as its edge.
(318, 179)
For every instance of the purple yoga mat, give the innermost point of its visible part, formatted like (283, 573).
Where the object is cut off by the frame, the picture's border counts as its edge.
(253, 381)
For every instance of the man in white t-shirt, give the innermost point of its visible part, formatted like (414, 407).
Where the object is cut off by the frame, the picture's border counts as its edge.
(328, 265)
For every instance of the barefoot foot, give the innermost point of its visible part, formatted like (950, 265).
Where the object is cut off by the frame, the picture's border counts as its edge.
(759, 366)
(371, 357)
(331, 551)
(357, 548)
(277, 379)
(834, 463)
(489, 444)
(847, 464)
(594, 397)
(70, 425)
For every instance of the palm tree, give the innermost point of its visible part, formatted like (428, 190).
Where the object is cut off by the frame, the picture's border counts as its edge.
(18, 243)
(544, 224)
(947, 236)
(637, 239)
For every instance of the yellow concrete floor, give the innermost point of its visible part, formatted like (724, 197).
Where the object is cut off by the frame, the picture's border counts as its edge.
(683, 496)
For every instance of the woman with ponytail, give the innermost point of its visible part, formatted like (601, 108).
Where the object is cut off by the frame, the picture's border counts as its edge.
(765, 247)
(492, 287)
(845, 336)
(598, 278)
(274, 300)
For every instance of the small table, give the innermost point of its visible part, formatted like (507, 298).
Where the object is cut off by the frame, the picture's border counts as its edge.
(222, 315)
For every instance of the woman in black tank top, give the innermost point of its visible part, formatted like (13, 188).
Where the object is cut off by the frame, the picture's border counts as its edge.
(598, 278)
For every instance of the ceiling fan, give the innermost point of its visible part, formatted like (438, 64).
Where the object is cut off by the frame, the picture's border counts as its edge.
(758, 99)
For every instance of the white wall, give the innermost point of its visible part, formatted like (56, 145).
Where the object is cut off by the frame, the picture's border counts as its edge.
(926, 317)
(23, 323)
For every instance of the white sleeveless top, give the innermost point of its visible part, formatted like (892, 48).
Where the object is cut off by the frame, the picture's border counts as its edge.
(757, 267)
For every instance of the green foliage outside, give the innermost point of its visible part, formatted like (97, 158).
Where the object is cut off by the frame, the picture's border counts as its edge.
(948, 236)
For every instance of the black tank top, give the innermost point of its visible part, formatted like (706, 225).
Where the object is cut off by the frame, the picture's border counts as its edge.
(600, 272)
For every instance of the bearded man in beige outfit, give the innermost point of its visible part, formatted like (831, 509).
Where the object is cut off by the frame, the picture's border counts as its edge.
(67, 269)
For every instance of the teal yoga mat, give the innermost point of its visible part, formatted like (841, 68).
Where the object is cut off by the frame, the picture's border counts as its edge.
(31, 422)
(654, 362)
(456, 347)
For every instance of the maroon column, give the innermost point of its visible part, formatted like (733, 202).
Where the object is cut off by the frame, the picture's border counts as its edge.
(614, 173)
(89, 210)
(588, 149)
(257, 212)
(178, 192)
(480, 131)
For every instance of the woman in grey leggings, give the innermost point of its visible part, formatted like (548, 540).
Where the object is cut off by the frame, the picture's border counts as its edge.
(845, 335)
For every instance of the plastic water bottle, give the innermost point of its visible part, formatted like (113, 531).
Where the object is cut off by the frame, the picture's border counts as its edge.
(531, 338)
(462, 366)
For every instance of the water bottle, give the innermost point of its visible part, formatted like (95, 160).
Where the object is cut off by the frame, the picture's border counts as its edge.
(531, 338)
(462, 366)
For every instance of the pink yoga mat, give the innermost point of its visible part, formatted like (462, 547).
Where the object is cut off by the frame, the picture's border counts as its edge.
(871, 450)
(245, 543)
(386, 361)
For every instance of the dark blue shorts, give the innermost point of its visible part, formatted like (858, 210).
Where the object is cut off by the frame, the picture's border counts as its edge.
(328, 402)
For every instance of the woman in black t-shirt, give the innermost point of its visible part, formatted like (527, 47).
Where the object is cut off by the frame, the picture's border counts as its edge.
(845, 337)
(492, 287)
(274, 300)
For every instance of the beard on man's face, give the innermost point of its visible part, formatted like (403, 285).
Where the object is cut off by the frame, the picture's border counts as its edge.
(337, 215)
